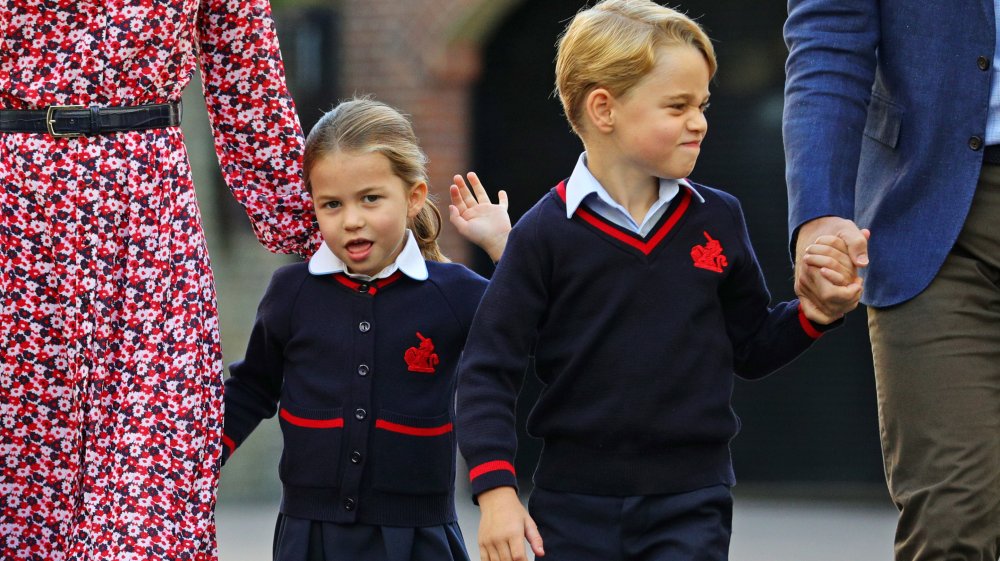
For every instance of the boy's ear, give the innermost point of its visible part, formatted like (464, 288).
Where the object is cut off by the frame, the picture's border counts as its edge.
(416, 199)
(597, 110)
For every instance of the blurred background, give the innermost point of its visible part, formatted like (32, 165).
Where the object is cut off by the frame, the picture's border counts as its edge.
(476, 76)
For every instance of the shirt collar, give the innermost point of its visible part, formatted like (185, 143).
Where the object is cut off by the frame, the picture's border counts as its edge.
(410, 262)
(582, 183)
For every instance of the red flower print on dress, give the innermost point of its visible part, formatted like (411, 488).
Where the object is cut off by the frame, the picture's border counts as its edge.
(111, 370)
(709, 256)
(422, 358)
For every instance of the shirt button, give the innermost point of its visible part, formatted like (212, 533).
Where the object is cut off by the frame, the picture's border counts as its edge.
(365, 326)
(363, 288)
(356, 457)
(349, 504)
(983, 63)
(363, 370)
(975, 143)
(360, 414)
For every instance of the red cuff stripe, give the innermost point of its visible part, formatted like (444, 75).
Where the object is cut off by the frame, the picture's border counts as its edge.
(495, 465)
(807, 325)
(228, 443)
(312, 423)
(413, 431)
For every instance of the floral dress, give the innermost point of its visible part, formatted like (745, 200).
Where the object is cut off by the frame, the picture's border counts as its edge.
(111, 373)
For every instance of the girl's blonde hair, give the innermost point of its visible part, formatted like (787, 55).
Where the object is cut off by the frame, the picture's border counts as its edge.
(363, 125)
(613, 45)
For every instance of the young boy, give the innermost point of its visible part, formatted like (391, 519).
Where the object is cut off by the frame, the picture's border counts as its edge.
(639, 296)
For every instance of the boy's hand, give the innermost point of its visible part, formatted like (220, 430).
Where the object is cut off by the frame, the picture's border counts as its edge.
(837, 288)
(504, 526)
(476, 218)
(829, 255)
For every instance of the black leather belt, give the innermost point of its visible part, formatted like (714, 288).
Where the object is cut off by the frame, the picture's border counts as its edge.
(991, 154)
(75, 120)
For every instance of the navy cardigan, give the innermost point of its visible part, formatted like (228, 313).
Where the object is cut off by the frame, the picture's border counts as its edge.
(636, 341)
(363, 375)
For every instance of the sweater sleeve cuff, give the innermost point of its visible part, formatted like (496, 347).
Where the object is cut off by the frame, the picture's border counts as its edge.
(490, 475)
(816, 330)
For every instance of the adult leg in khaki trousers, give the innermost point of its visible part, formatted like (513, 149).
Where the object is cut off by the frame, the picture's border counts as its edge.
(937, 370)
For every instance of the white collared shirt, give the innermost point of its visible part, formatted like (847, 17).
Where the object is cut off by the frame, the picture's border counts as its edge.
(993, 113)
(582, 184)
(410, 262)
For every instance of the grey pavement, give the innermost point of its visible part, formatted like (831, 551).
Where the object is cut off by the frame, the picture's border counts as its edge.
(766, 527)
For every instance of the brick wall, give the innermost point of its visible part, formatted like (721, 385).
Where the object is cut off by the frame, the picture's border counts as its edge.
(409, 54)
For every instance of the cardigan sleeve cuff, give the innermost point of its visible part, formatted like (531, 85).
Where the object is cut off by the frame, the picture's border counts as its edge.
(228, 447)
(490, 475)
(816, 330)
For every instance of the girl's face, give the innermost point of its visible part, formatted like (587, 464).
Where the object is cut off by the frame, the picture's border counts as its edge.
(362, 208)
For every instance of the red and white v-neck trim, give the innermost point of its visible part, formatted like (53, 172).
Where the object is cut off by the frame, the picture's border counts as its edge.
(646, 245)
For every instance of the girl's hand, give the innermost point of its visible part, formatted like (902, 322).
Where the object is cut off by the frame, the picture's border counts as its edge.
(476, 218)
(504, 526)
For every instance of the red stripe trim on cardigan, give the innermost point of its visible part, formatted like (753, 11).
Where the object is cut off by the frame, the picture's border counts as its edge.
(312, 423)
(413, 431)
(807, 325)
(228, 443)
(488, 467)
(646, 247)
(380, 283)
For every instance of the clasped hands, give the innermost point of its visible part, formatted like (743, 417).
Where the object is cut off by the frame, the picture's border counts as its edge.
(828, 253)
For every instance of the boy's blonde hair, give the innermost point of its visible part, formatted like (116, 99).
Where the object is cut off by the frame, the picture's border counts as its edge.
(363, 125)
(613, 45)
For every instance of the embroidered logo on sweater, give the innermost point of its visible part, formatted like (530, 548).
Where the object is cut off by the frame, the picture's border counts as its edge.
(709, 256)
(422, 358)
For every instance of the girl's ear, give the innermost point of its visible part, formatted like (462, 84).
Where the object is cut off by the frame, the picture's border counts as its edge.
(416, 199)
(597, 110)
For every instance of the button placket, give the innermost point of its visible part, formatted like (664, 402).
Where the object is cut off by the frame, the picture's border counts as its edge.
(356, 447)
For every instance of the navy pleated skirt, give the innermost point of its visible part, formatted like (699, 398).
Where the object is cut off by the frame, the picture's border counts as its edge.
(298, 539)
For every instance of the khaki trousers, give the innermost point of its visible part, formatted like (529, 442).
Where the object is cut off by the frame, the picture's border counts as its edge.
(937, 371)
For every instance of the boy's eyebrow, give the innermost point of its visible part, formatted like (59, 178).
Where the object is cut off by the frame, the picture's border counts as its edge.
(686, 96)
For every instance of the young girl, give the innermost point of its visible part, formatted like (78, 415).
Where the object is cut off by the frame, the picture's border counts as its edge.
(357, 350)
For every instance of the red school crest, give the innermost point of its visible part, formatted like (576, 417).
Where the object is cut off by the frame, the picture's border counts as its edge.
(709, 256)
(421, 358)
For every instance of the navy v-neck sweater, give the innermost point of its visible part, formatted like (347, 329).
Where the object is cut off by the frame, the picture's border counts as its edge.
(636, 341)
(363, 375)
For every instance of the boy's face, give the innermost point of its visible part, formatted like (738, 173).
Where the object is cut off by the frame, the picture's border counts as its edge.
(659, 124)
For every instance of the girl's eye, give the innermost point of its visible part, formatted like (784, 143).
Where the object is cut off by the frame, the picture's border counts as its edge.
(331, 204)
(370, 198)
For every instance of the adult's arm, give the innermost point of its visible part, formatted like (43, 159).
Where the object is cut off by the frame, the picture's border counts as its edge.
(257, 134)
(829, 75)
